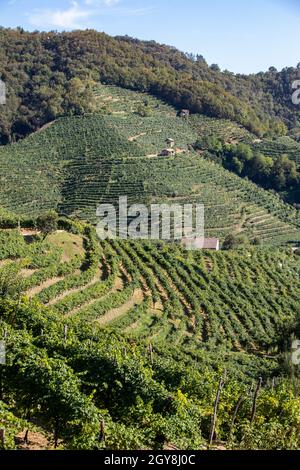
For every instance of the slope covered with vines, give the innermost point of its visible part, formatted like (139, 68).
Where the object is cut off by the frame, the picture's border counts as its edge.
(77, 163)
(135, 329)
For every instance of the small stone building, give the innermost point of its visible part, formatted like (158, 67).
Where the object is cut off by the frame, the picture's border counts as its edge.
(169, 150)
(184, 113)
(170, 143)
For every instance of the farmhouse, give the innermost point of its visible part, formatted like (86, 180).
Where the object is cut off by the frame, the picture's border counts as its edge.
(201, 243)
(184, 113)
(170, 143)
(169, 151)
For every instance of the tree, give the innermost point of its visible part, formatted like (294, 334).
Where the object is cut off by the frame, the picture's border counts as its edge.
(79, 97)
(280, 129)
(10, 281)
(284, 173)
(261, 169)
(232, 242)
(215, 67)
(237, 165)
(144, 110)
(47, 223)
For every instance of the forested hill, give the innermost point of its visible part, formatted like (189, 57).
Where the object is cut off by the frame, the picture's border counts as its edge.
(50, 75)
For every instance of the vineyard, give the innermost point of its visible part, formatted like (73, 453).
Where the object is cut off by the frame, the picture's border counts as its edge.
(160, 291)
(176, 307)
(278, 147)
(135, 343)
(85, 161)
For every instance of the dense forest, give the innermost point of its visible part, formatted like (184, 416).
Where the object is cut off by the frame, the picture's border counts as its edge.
(51, 74)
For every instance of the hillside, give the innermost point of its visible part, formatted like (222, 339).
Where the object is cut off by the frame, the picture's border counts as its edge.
(131, 344)
(280, 146)
(85, 161)
(137, 335)
(49, 75)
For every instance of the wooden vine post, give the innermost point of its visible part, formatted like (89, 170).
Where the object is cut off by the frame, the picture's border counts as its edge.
(151, 352)
(240, 401)
(102, 431)
(2, 436)
(65, 334)
(216, 405)
(273, 384)
(254, 406)
(238, 405)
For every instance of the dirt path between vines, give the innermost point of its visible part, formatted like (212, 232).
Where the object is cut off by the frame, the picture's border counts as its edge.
(75, 290)
(117, 287)
(38, 289)
(35, 441)
(5, 262)
(136, 299)
(135, 137)
(25, 273)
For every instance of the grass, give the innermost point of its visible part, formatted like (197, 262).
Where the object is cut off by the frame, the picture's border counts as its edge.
(70, 244)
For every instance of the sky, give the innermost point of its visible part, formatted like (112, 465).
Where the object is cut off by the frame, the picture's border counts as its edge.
(243, 36)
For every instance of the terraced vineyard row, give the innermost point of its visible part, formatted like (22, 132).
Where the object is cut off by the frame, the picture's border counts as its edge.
(160, 292)
(248, 320)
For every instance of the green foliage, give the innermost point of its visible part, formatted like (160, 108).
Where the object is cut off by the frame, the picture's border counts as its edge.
(12, 245)
(10, 281)
(51, 391)
(47, 223)
(279, 174)
(144, 110)
(69, 372)
(233, 242)
(13, 425)
(57, 71)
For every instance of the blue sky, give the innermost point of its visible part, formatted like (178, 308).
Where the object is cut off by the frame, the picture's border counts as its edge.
(240, 35)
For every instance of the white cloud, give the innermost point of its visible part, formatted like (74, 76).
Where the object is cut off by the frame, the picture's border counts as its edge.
(71, 18)
(79, 14)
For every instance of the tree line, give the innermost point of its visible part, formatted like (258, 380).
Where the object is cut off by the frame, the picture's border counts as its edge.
(52, 74)
(280, 174)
